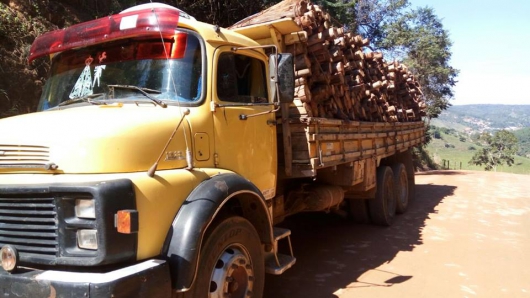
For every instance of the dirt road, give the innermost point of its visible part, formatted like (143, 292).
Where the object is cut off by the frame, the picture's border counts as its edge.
(466, 235)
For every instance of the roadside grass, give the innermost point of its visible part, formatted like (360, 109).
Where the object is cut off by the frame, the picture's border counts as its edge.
(457, 154)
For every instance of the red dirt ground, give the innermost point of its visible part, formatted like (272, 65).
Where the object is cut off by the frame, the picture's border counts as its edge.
(467, 234)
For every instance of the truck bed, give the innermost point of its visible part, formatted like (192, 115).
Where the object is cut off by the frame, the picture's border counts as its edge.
(317, 143)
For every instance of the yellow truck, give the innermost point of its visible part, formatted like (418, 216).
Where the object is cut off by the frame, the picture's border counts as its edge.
(160, 162)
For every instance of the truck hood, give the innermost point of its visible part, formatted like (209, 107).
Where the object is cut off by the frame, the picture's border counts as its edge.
(92, 139)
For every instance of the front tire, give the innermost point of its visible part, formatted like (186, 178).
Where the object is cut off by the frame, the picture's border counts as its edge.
(231, 262)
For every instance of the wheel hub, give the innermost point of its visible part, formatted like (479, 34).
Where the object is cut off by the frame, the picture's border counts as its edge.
(232, 276)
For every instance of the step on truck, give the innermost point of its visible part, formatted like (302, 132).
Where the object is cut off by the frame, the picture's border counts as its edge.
(161, 161)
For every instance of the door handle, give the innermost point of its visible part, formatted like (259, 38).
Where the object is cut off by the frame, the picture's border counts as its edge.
(271, 122)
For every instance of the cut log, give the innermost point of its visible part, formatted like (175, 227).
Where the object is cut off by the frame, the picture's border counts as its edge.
(296, 49)
(301, 62)
(301, 81)
(302, 73)
(303, 92)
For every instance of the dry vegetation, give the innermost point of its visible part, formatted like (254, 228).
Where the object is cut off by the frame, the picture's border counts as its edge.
(20, 22)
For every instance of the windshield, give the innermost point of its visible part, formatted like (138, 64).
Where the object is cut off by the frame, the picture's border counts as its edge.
(139, 63)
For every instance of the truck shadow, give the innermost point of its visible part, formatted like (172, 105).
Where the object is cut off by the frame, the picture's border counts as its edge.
(333, 253)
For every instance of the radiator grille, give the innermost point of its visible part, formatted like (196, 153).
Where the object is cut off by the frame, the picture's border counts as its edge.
(24, 156)
(30, 225)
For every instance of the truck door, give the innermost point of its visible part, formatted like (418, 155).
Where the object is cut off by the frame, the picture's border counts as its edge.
(244, 145)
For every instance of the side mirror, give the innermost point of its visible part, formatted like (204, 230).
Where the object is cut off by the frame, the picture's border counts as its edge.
(284, 74)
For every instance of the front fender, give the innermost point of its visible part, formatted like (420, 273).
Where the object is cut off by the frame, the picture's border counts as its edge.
(183, 243)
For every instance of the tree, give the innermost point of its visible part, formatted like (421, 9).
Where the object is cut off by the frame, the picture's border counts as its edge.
(341, 11)
(420, 40)
(498, 149)
(374, 18)
(221, 12)
(416, 37)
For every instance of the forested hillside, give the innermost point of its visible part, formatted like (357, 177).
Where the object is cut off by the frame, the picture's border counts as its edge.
(523, 135)
(453, 149)
(456, 134)
(21, 21)
(485, 117)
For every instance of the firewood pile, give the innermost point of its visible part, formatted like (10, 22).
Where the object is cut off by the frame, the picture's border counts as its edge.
(336, 76)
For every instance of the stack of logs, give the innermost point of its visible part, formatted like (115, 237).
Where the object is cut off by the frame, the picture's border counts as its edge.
(335, 77)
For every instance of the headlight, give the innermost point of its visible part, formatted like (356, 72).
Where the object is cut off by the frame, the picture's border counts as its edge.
(9, 256)
(85, 208)
(87, 239)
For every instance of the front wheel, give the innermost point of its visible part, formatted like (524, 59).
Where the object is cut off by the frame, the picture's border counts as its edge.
(231, 262)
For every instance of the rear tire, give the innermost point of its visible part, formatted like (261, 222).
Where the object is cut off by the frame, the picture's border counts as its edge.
(231, 262)
(383, 207)
(401, 184)
(409, 166)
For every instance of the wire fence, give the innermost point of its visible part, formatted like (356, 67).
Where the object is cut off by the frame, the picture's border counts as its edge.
(448, 165)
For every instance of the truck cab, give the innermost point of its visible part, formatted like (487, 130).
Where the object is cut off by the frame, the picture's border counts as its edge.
(144, 132)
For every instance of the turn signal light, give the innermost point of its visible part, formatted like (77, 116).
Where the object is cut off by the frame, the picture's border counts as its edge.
(126, 221)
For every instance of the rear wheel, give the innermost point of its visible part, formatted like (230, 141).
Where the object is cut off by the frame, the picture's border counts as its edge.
(383, 207)
(409, 166)
(401, 184)
(231, 262)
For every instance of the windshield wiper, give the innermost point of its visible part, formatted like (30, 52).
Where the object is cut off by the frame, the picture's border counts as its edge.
(143, 91)
(86, 98)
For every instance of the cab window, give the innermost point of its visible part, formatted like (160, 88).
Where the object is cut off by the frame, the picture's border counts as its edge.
(241, 79)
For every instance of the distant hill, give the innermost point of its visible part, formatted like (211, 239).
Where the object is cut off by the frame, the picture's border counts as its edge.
(465, 120)
(451, 149)
(478, 118)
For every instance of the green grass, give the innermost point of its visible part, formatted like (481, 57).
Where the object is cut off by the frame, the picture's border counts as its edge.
(460, 155)
(449, 124)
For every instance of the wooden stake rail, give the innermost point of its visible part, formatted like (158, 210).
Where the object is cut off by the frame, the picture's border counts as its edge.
(318, 143)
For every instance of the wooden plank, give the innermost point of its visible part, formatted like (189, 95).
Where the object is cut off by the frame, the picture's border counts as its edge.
(303, 170)
(365, 144)
(295, 37)
(352, 156)
(381, 150)
(300, 155)
(368, 152)
(332, 158)
(351, 146)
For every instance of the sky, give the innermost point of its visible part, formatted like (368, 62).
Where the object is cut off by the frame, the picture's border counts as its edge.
(491, 48)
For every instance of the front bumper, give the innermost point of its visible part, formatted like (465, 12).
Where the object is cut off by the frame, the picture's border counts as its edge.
(146, 279)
